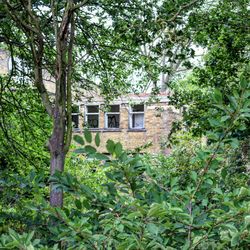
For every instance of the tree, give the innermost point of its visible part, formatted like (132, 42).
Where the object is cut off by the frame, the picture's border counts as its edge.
(221, 28)
(172, 43)
(78, 42)
(51, 38)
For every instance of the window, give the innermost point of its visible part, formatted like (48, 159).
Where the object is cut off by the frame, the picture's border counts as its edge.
(112, 117)
(75, 117)
(92, 116)
(136, 117)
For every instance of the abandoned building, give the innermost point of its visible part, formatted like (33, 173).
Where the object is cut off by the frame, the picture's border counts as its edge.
(133, 120)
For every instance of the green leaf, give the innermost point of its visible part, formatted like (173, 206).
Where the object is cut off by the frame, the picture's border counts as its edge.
(80, 151)
(85, 204)
(61, 213)
(13, 234)
(78, 139)
(235, 239)
(243, 82)
(244, 192)
(157, 210)
(224, 118)
(89, 149)
(173, 181)
(224, 173)
(101, 157)
(233, 102)
(30, 236)
(217, 96)
(194, 175)
(209, 181)
(30, 247)
(134, 215)
(87, 192)
(234, 143)
(204, 202)
(118, 149)
(218, 190)
(153, 229)
(197, 239)
(97, 139)
(214, 122)
(78, 204)
(120, 228)
(87, 135)
(247, 220)
(110, 146)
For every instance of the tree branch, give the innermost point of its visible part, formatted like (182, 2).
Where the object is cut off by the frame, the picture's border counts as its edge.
(181, 9)
(69, 84)
(36, 37)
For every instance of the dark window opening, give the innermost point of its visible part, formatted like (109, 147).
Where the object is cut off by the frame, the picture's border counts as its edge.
(113, 121)
(93, 121)
(138, 108)
(75, 121)
(75, 117)
(112, 118)
(92, 116)
(92, 109)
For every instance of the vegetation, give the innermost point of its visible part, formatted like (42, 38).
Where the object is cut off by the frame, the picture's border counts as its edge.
(138, 201)
(197, 197)
(60, 35)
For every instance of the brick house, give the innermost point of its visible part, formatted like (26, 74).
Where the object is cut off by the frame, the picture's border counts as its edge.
(131, 119)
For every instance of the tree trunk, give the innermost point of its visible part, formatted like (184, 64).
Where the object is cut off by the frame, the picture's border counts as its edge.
(56, 194)
(60, 108)
(60, 140)
(57, 153)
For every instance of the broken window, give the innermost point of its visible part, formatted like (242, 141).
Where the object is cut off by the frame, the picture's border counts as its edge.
(75, 117)
(92, 116)
(136, 118)
(112, 117)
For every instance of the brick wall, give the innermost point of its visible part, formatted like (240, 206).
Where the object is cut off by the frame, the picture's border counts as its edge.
(157, 127)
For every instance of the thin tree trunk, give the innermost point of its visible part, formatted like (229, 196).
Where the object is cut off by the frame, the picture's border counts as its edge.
(56, 194)
(62, 99)
(57, 154)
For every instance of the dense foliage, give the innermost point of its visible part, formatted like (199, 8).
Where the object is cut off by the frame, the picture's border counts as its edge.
(133, 201)
(197, 197)
(23, 121)
(221, 28)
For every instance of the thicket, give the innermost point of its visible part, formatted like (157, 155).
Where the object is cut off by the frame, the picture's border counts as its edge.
(196, 198)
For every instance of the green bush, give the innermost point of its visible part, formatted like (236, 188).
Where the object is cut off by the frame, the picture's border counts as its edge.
(133, 201)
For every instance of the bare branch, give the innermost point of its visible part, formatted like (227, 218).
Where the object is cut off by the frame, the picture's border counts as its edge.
(79, 5)
(181, 9)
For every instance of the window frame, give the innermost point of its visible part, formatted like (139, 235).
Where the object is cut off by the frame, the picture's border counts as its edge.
(86, 115)
(112, 113)
(75, 129)
(131, 113)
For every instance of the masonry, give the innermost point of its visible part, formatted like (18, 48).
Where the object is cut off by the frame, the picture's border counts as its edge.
(131, 120)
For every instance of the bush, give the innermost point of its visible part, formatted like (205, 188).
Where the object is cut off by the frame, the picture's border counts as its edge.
(145, 202)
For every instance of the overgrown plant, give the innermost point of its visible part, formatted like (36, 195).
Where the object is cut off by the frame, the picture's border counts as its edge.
(147, 206)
